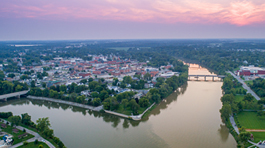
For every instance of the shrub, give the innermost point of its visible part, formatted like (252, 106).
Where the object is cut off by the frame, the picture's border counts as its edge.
(25, 143)
(36, 141)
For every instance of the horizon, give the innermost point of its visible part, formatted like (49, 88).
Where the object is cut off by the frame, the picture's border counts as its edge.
(145, 19)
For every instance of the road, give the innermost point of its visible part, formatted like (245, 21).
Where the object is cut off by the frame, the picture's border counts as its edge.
(36, 136)
(245, 86)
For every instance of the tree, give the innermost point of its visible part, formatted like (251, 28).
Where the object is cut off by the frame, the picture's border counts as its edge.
(11, 75)
(123, 85)
(43, 84)
(134, 106)
(42, 124)
(63, 88)
(124, 102)
(40, 146)
(103, 95)
(96, 101)
(93, 85)
(26, 119)
(36, 141)
(18, 88)
(229, 98)
(90, 79)
(32, 84)
(25, 143)
(244, 136)
(48, 132)
(45, 92)
(147, 76)
(15, 120)
(23, 77)
(2, 75)
(226, 111)
(248, 97)
(115, 81)
(84, 81)
(94, 94)
(127, 79)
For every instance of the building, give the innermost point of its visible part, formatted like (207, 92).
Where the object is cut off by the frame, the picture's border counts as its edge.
(250, 71)
(85, 75)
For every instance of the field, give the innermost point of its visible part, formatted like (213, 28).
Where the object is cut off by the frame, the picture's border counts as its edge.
(258, 136)
(33, 145)
(250, 82)
(250, 120)
(239, 98)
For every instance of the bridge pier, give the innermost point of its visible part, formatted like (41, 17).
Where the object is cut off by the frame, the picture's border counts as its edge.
(205, 78)
(5, 99)
(213, 78)
(18, 96)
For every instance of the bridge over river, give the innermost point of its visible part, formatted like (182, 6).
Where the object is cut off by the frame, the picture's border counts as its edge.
(205, 76)
(16, 94)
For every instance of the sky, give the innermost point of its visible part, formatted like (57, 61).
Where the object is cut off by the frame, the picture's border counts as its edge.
(131, 19)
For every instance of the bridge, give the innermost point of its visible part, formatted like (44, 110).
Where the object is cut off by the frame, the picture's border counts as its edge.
(205, 76)
(15, 94)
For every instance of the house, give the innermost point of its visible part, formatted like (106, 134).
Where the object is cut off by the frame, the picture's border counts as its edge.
(3, 125)
(15, 130)
(85, 75)
(148, 85)
(97, 72)
(22, 136)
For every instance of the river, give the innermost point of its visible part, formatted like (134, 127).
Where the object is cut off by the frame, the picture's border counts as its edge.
(187, 118)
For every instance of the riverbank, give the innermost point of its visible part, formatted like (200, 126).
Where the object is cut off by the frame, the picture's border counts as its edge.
(137, 117)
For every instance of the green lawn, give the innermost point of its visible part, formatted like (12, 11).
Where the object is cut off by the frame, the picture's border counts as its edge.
(16, 140)
(250, 120)
(35, 130)
(258, 136)
(128, 110)
(33, 145)
(250, 82)
(239, 98)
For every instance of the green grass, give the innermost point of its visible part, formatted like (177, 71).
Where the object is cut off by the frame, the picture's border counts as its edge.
(249, 83)
(15, 135)
(250, 120)
(239, 98)
(33, 145)
(128, 110)
(258, 136)
(35, 130)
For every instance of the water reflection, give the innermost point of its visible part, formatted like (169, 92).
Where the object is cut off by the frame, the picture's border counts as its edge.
(224, 132)
(189, 117)
(115, 120)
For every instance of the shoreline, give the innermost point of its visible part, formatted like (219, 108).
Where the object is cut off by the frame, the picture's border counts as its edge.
(99, 108)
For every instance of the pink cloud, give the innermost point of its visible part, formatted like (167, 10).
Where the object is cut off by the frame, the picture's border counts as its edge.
(238, 12)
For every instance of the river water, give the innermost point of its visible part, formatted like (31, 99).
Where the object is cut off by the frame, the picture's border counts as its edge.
(187, 118)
